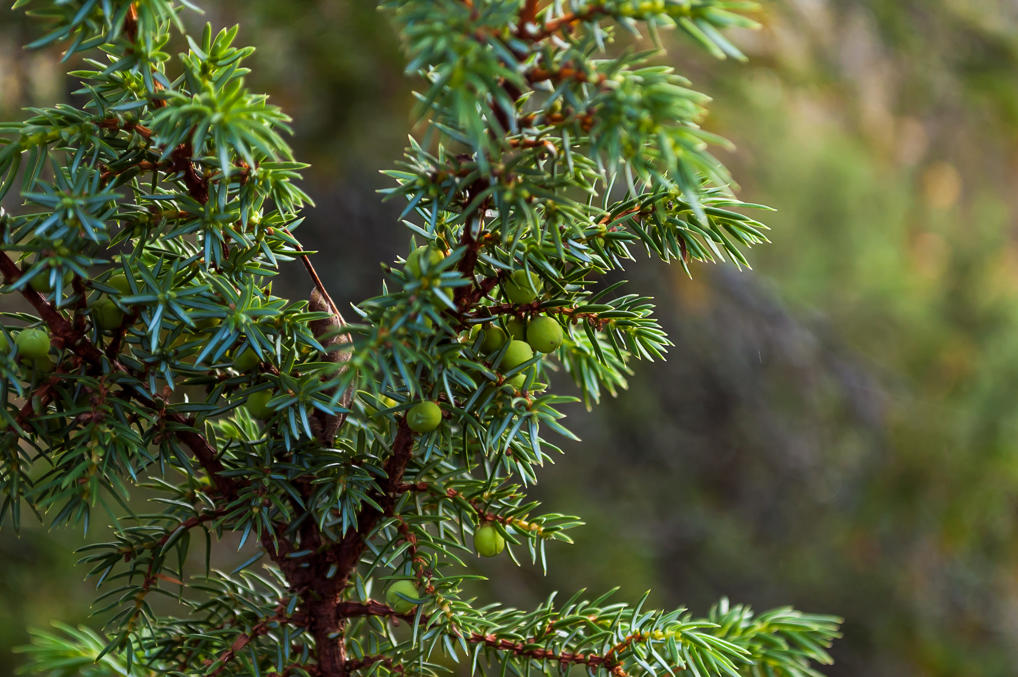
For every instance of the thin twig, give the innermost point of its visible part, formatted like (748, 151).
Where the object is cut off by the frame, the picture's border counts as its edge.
(313, 274)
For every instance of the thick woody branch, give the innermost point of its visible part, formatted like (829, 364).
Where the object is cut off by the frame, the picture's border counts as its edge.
(348, 551)
(322, 594)
(329, 333)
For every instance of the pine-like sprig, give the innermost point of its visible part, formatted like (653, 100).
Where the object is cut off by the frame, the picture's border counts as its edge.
(152, 219)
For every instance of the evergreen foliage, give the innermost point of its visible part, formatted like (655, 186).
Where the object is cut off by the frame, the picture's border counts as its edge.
(152, 219)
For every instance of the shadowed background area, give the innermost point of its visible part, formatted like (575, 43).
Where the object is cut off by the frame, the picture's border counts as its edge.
(834, 429)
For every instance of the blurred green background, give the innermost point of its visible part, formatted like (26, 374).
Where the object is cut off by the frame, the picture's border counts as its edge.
(834, 429)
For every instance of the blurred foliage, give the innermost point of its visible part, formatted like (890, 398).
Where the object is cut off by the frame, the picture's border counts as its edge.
(849, 405)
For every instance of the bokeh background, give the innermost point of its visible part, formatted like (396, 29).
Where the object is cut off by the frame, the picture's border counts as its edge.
(835, 429)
